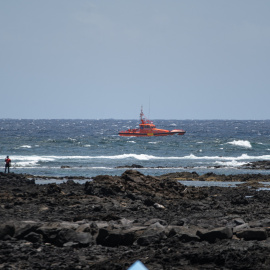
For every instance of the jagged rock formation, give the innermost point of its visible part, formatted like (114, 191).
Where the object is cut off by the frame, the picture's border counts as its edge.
(112, 221)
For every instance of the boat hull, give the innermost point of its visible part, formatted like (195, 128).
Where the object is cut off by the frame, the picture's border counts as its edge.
(150, 133)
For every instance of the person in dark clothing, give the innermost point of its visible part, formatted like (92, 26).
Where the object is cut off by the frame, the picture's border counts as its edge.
(7, 165)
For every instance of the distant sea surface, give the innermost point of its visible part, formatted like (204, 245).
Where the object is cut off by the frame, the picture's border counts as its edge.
(93, 147)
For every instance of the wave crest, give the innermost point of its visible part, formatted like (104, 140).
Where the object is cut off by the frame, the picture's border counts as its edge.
(241, 143)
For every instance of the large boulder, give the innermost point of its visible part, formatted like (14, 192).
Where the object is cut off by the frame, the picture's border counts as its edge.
(50, 232)
(252, 234)
(25, 227)
(133, 176)
(218, 233)
(116, 237)
(33, 237)
(59, 233)
(6, 230)
(103, 185)
(73, 238)
(260, 223)
(240, 227)
(183, 234)
(149, 238)
(154, 234)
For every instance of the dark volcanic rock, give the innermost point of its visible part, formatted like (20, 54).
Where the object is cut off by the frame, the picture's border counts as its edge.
(112, 221)
(252, 234)
(258, 165)
(33, 237)
(116, 237)
(133, 166)
(218, 233)
(6, 230)
(70, 236)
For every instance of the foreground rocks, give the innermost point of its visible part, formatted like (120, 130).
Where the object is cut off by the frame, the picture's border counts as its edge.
(111, 222)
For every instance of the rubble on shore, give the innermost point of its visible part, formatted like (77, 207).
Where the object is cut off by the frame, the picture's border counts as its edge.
(113, 221)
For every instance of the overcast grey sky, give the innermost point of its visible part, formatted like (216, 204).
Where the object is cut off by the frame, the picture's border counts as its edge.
(180, 59)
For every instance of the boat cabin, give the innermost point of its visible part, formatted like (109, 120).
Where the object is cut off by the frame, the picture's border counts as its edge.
(144, 127)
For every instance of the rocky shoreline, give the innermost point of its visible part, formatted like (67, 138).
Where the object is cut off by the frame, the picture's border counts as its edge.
(112, 221)
(255, 165)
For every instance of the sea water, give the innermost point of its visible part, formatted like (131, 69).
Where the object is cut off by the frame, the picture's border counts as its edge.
(92, 147)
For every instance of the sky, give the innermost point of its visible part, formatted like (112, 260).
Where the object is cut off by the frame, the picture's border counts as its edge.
(101, 59)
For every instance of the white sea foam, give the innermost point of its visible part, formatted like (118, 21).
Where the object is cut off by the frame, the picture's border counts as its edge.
(191, 156)
(26, 146)
(242, 157)
(30, 161)
(103, 168)
(25, 164)
(241, 143)
(128, 156)
(232, 163)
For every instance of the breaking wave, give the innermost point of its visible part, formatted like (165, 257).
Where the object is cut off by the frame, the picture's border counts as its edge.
(241, 143)
(33, 160)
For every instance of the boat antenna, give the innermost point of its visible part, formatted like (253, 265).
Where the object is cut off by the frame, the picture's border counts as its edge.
(149, 109)
(141, 114)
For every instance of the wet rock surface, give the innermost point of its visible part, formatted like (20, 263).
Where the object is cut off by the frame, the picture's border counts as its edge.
(258, 165)
(112, 221)
(255, 165)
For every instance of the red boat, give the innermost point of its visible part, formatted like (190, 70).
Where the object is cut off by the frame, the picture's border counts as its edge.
(147, 129)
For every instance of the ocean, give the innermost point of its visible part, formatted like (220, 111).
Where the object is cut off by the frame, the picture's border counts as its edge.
(92, 147)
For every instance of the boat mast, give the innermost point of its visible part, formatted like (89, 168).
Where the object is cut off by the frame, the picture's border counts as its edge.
(142, 115)
(143, 119)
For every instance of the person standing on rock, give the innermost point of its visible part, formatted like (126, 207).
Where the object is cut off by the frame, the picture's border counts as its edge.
(7, 165)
